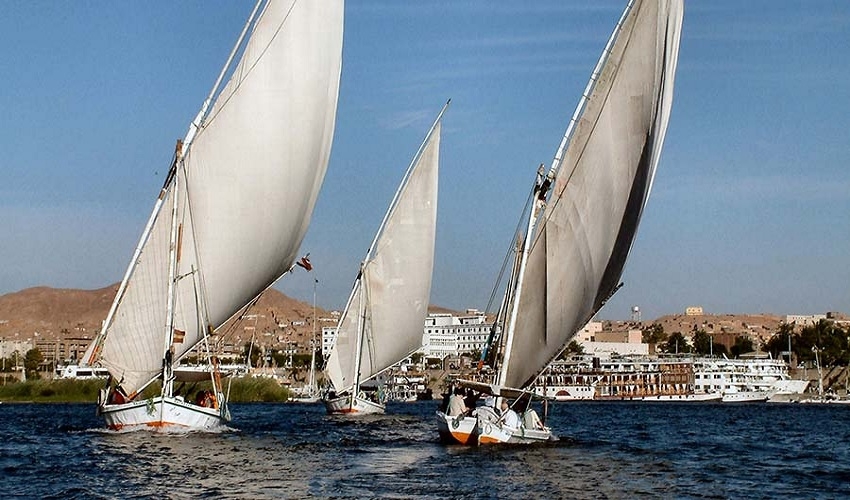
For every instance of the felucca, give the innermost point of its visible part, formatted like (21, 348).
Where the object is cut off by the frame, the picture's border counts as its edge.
(383, 318)
(230, 216)
(582, 217)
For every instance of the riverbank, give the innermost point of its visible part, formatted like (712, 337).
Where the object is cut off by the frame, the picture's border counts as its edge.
(241, 390)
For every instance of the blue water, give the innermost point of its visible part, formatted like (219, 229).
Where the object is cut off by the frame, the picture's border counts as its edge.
(607, 450)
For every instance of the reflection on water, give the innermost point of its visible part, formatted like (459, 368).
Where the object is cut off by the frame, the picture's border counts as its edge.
(607, 450)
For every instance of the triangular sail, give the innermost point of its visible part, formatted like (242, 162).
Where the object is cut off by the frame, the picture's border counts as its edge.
(389, 301)
(249, 181)
(603, 182)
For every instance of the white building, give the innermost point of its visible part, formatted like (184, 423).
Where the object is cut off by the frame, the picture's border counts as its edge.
(604, 350)
(804, 319)
(328, 336)
(9, 347)
(446, 335)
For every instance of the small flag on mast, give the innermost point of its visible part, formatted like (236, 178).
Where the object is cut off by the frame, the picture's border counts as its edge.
(305, 263)
(179, 336)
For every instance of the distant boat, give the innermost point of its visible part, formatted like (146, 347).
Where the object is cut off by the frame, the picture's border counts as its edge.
(581, 221)
(81, 372)
(823, 397)
(230, 217)
(309, 393)
(753, 377)
(382, 321)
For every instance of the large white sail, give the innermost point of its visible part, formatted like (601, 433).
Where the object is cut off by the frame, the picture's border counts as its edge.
(248, 185)
(389, 301)
(603, 182)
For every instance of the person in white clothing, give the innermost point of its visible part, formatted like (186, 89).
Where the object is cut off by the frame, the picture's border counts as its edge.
(510, 419)
(456, 404)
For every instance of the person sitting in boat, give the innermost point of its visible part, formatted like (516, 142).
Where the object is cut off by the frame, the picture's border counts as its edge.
(529, 417)
(470, 400)
(510, 420)
(204, 398)
(456, 404)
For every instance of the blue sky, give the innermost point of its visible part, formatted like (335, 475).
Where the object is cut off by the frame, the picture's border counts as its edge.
(750, 211)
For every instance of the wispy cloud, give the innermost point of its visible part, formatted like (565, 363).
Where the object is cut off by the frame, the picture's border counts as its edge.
(405, 119)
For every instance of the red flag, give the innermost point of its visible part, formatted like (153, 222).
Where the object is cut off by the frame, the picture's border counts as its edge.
(305, 263)
(179, 336)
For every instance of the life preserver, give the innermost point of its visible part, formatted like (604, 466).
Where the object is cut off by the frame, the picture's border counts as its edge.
(488, 428)
(456, 422)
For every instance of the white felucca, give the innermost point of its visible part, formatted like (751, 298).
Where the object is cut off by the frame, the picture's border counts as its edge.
(382, 321)
(231, 215)
(569, 261)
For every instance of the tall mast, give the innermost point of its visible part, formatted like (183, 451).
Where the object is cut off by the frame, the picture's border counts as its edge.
(92, 353)
(361, 327)
(541, 188)
(313, 344)
(173, 251)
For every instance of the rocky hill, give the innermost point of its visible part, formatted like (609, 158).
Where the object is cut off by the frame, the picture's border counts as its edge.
(44, 314)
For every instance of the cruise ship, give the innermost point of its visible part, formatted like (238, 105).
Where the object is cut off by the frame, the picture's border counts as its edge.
(749, 378)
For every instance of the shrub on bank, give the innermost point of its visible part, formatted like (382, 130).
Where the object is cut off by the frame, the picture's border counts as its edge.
(242, 390)
(52, 391)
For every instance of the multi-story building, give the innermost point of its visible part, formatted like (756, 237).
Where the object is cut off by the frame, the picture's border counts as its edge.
(328, 337)
(804, 319)
(448, 335)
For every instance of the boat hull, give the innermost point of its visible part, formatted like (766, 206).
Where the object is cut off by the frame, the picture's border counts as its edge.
(745, 397)
(304, 399)
(343, 406)
(484, 427)
(163, 413)
(684, 398)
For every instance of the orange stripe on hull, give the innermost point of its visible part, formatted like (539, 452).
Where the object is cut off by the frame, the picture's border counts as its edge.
(488, 440)
(162, 424)
(157, 425)
(462, 437)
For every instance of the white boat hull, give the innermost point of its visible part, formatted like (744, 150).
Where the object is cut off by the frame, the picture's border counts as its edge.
(790, 386)
(827, 399)
(360, 406)
(685, 398)
(162, 413)
(483, 427)
(304, 399)
(745, 397)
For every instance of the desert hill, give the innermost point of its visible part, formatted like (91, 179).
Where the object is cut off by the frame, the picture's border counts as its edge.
(44, 316)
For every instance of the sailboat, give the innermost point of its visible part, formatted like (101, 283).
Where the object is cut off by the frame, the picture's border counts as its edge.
(823, 397)
(383, 319)
(310, 392)
(230, 216)
(582, 217)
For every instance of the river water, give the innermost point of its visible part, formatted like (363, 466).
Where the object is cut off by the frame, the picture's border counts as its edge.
(606, 450)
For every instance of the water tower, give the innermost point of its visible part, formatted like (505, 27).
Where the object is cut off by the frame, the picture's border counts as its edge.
(636, 314)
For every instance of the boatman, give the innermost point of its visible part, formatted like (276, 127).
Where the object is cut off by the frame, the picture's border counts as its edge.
(456, 404)
(510, 420)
